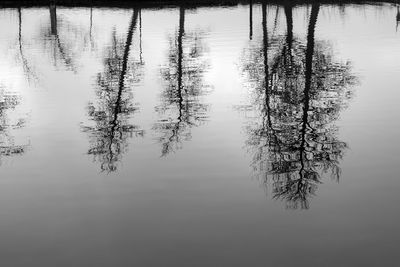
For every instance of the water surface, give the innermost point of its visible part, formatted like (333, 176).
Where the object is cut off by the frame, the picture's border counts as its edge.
(255, 135)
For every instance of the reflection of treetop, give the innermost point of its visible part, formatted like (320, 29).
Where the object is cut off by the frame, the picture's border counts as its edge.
(111, 130)
(300, 90)
(181, 107)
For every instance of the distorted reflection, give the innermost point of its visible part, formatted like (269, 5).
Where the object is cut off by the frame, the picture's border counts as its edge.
(64, 51)
(181, 107)
(111, 114)
(299, 92)
(120, 145)
(28, 68)
(9, 123)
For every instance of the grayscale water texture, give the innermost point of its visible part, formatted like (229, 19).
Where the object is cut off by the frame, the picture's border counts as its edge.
(252, 135)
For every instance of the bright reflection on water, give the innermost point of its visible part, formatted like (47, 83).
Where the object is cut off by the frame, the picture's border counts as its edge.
(254, 135)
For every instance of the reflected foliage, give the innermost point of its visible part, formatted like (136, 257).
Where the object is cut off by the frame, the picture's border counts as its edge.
(299, 91)
(8, 103)
(181, 107)
(111, 114)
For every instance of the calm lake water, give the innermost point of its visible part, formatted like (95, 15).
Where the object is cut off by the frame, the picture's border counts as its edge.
(255, 135)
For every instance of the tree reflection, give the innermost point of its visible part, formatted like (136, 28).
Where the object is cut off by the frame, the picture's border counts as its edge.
(251, 19)
(27, 67)
(111, 130)
(300, 94)
(63, 40)
(8, 123)
(181, 108)
(64, 52)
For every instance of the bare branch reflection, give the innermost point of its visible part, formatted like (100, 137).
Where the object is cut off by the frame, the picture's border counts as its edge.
(299, 92)
(111, 116)
(181, 107)
(8, 123)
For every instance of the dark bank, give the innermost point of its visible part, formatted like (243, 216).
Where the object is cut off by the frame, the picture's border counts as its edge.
(166, 3)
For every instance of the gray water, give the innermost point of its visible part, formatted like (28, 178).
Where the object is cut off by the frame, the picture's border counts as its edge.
(255, 135)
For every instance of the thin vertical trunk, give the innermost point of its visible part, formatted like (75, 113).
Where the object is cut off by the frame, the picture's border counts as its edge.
(91, 22)
(53, 17)
(124, 66)
(251, 20)
(140, 36)
(180, 57)
(265, 53)
(265, 42)
(288, 59)
(266, 109)
(20, 29)
(27, 69)
(117, 107)
(179, 95)
(289, 26)
(307, 86)
(267, 92)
